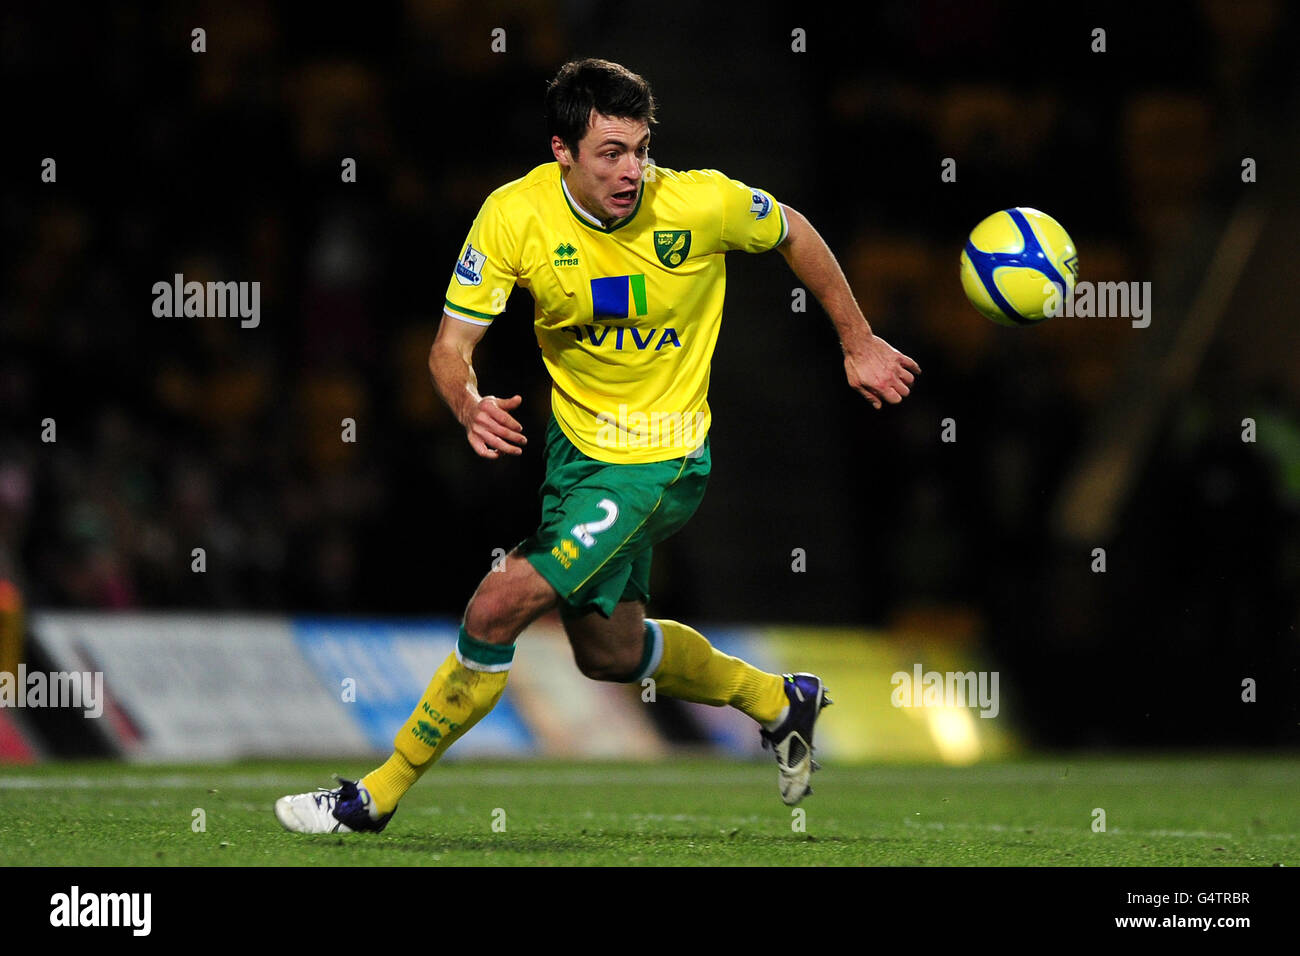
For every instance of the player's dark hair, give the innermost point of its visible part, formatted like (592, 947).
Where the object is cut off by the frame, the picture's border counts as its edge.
(584, 85)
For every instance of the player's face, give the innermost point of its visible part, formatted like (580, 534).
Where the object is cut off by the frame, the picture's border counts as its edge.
(605, 176)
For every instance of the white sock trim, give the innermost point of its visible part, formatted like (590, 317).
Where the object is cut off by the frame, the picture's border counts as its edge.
(476, 666)
(656, 652)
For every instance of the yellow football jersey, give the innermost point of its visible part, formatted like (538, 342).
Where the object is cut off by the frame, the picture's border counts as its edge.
(626, 316)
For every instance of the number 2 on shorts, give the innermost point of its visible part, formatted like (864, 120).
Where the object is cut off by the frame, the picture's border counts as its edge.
(586, 531)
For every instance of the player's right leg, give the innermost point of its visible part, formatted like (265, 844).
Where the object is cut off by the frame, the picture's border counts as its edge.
(462, 692)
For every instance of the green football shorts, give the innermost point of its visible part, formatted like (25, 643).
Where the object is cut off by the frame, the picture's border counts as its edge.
(600, 521)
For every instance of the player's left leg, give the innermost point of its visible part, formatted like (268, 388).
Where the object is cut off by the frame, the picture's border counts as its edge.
(627, 647)
(610, 648)
(604, 584)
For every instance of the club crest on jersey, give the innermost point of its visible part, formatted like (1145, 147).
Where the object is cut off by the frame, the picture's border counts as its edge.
(672, 246)
(469, 271)
(759, 205)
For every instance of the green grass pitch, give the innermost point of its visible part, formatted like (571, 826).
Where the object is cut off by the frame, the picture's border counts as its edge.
(1159, 811)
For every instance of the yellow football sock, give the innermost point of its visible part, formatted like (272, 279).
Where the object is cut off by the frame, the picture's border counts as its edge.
(462, 692)
(693, 669)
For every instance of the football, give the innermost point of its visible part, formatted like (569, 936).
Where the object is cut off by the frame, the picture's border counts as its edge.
(1018, 265)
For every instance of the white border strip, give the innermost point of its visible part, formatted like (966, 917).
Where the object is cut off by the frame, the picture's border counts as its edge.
(465, 318)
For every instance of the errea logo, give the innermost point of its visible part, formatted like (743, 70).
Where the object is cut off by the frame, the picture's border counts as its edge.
(565, 553)
(566, 254)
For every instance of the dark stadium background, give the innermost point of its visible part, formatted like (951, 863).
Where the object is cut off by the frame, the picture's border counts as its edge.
(176, 433)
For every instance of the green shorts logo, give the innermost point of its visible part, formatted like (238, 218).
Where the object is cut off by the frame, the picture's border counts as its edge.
(672, 246)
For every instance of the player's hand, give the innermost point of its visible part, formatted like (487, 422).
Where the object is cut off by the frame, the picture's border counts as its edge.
(491, 428)
(879, 371)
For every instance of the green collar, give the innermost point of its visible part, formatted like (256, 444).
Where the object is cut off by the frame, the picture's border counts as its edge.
(595, 227)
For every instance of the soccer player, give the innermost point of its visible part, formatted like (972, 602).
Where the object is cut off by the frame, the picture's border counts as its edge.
(626, 264)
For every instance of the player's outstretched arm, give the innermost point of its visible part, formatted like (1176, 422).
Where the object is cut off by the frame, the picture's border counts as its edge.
(489, 426)
(873, 367)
